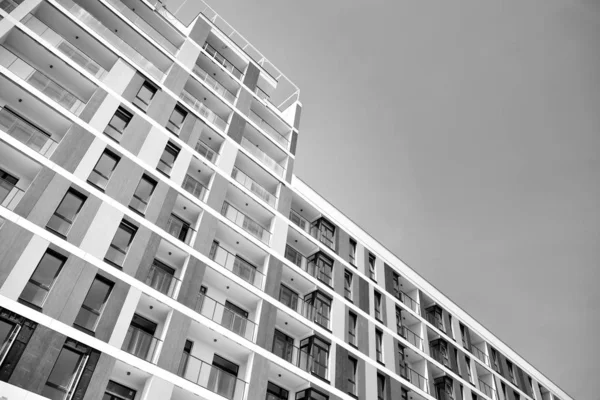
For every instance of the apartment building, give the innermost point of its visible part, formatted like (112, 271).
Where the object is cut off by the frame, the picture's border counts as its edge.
(155, 243)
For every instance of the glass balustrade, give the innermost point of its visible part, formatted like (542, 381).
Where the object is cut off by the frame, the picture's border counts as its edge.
(238, 266)
(226, 317)
(245, 222)
(262, 157)
(204, 111)
(141, 344)
(194, 187)
(26, 133)
(211, 377)
(266, 127)
(214, 84)
(254, 187)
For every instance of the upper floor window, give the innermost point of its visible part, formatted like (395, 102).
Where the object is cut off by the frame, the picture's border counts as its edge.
(321, 267)
(37, 289)
(372, 270)
(318, 352)
(223, 377)
(381, 387)
(145, 95)
(495, 361)
(103, 169)
(440, 352)
(324, 231)
(143, 193)
(319, 308)
(379, 345)
(177, 119)
(352, 255)
(464, 334)
(352, 328)
(377, 305)
(288, 297)
(167, 160)
(275, 392)
(118, 123)
(396, 285)
(119, 246)
(67, 370)
(352, 363)
(434, 316)
(93, 305)
(348, 285)
(311, 394)
(116, 391)
(511, 371)
(7, 184)
(469, 373)
(66, 212)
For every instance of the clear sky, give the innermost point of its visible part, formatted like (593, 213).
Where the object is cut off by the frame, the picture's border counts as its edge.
(465, 136)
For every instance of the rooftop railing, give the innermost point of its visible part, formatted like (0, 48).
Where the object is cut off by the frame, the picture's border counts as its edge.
(10, 195)
(417, 379)
(225, 317)
(141, 344)
(69, 50)
(254, 187)
(194, 187)
(208, 114)
(26, 133)
(262, 157)
(245, 222)
(214, 84)
(41, 82)
(265, 126)
(235, 264)
(221, 60)
(91, 22)
(211, 377)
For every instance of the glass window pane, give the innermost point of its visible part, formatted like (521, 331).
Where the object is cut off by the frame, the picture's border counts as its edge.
(106, 164)
(144, 189)
(47, 269)
(97, 294)
(63, 373)
(118, 122)
(146, 93)
(123, 237)
(178, 116)
(70, 205)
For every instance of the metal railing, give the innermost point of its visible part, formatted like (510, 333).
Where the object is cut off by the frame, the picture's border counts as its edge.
(91, 22)
(214, 84)
(254, 187)
(144, 26)
(180, 229)
(480, 354)
(245, 222)
(162, 281)
(194, 187)
(211, 377)
(225, 317)
(205, 151)
(417, 379)
(301, 359)
(265, 126)
(41, 82)
(221, 60)
(26, 133)
(487, 389)
(141, 344)
(61, 44)
(408, 301)
(238, 266)
(300, 221)
(10, 195)
(208, 114)
(412, 337)
(262, 156)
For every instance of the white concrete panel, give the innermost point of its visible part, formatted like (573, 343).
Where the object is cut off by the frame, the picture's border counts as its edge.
(157, 389)
(119, 76)
(153, 147)
(370, 377)
(227, 158)
(181, 166)
(124, 320)
(11, 392)
(25, 8)
(188, 54)
(101, 231)
(338, 319)
(23, 269)
(371, 327)
(104, 113)
(388, 350)
(360, 258)
(89, 160)
(279, 235)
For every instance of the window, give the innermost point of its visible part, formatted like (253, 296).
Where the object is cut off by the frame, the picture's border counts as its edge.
(456, 361)
(530, 385)
(352, 255)
(434, 316)
(185, 358)
(223, 377)
(469, 373)
(352, 363)
(311, 394)
(323, 231)
(142, 194)
(399, 327)
(372, 271)
(348, 285)
(179, 228)
(103, 170)
(235, 318)
(116, 391)
(402, 361)
(379, 345)
(283, 346)
(352, 328)
(516, 395)
(275, 392)
(377, 305)
(317, 356)
(66, 372)
(93, 305)
(439, 351)
(165, 164)
(288, 297)
(495, 361)
(177, 119)
(511, 372)
(465, 338)
(39, 285)
(66, 212)
(318, 307)
(381, 387)
(396, 285)
(451, 327)
(145, 95)
(403, 394)
(161, 277)
(119, 246)
(503, 387)
(7, 184)
(140, 340)
(11, 326)
(293, 255)
(118, 123)
(320, 266)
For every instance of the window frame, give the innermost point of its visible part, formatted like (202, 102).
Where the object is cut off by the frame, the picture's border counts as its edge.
(126, 226)
(379, 346)
(63, 260)
(110, 284)
(145, 178)
(172, 126)
(372, 267)
(352, 376)
(377, 303)
(139, 102)
(79, 196)
(172, 149)
(352, 251)
(348, 280)
(112, 155)
(124, 115)
(352, 325)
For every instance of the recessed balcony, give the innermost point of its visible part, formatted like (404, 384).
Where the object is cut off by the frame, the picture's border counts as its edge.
(166, 269)
(182, 222)
(198, 179)
(224, 56)
(271, 124)
(205, 112)
(17, 171)
(249, 224)
(409, 328)
(213, 84)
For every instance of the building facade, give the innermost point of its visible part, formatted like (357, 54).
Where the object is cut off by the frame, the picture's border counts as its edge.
(155, 244)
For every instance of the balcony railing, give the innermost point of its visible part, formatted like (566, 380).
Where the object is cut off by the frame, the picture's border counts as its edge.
(417, 379)
(300, 221)
(254, 187)
(204, 111)
(262, 157)
(27, 133)
(225, 317)
(265, 126)
(238, 266)
(91, 22)
(211, 377)
(219, 59)
(194, 187)
(480, 354)
(162, 281)
(205, 151)
(412, 337)
(247, 223)
(301, 359)
(213, 84)
(9, 5)
(141, 344)
(58, 42)
(41, 82)
(10, 195)
(408, 301)
(180, 229)
(144, 26)
(487, 389)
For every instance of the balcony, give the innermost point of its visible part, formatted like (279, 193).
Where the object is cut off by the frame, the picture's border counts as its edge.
(9, 5)
(162, 280)
(303, 358)
(226, 317)
(408, 301)
(211, 377)
(411, 337)
(180, 229)
(41, 82)
(245, 222)
(221, 60)
(487, 390)
(195, 187)
(204, 111)
(270, 163)
(26, 132)
(238, 266)
(253, 186)
(213, 84)
(205, 151)
(299, 221)
(268, 128)
(416, 379)
(141, 344)
(480, 354)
